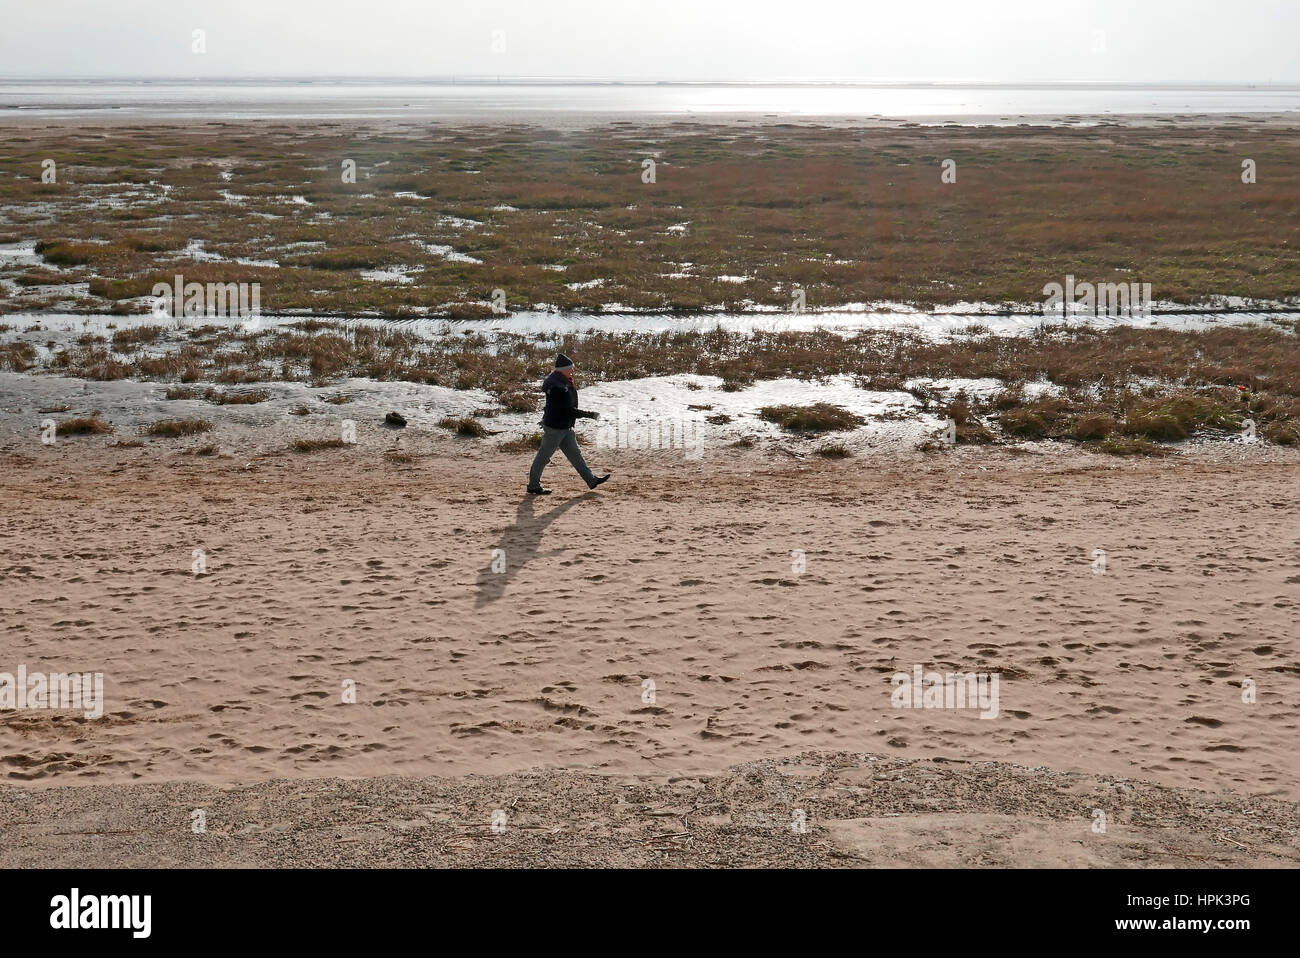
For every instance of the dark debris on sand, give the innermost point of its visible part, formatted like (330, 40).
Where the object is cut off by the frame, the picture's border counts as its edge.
(860, 810)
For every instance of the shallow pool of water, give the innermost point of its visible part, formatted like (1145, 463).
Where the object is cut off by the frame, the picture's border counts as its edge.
(540, 323)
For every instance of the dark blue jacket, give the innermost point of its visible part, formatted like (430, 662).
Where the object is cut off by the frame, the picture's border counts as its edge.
(561, 403)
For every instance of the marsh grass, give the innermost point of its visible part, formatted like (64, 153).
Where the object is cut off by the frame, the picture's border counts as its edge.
(1036, 419)
(314, 445)
(249, 398)
(835, 450)
(846, 214)
(1121, 446)
(219, 397)
(970, 429)
(126, 339)
(172, 428)
(82, 426)
(1192, 381)
(1284, 433)
(519, 402)
(818, 417)
(63, 253)
(1160, 417)
(17, 356)
(344, 258)
(1095, 426)
(42, 277)
(464, 426)
(527, 443)
(1265, 361)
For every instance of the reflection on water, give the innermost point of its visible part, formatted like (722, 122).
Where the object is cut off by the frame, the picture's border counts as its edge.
(550, 324)
(359, 99)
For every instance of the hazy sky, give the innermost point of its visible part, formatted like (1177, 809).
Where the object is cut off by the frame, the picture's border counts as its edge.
(1207, 41)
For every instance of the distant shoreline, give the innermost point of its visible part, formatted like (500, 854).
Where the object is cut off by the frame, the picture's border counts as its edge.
(577, 101)
(84, 117)
(490, 79)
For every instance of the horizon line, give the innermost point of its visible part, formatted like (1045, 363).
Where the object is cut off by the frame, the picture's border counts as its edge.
(527, 80)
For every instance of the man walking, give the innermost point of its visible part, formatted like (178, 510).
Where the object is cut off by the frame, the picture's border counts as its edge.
(557, 427)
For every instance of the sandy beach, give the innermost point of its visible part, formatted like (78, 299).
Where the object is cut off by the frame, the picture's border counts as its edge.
(342, 566)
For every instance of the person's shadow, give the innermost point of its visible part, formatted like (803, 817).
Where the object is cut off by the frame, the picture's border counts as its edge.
(518, 545)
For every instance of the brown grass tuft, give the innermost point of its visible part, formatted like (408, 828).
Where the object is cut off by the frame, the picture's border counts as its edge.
(464, 426)
(83, 426)
(1119, 446)
(519, 402)
(522, 444)
(819, 417)
(312, 445)
(1284, 433)
(835, 450)
(171, 428)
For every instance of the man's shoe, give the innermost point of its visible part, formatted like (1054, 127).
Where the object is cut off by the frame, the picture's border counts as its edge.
(597, 481)
(538, 491)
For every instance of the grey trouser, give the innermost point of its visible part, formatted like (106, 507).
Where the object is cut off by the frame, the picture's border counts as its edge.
(552, 439)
